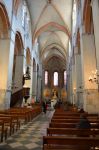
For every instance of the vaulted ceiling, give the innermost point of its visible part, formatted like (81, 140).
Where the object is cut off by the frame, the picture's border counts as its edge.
(51, 25)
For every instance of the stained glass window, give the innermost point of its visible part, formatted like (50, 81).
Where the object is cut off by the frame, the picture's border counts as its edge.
(55, 78)
(64, 77)
(46, 77)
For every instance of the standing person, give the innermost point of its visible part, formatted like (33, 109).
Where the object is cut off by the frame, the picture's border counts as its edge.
(44, 106)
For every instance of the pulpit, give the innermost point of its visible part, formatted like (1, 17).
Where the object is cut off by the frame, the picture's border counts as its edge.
(26, 93)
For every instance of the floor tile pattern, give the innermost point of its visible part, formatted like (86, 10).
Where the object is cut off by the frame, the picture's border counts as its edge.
(30, 136)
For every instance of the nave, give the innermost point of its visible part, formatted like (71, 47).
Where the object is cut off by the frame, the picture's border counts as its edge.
(29, 137)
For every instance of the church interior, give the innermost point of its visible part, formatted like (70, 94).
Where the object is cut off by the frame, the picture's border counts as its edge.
(51, 75)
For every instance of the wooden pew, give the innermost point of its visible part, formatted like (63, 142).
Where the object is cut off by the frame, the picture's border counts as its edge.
(3, 130)
(66, 143)
(72, 131)
(73, 117)
(15, 119)
(73, 114)
(92, 120)
(8, 123)
(70, 125)
(26, 114)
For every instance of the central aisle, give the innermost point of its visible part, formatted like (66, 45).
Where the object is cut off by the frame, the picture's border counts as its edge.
(30, 136)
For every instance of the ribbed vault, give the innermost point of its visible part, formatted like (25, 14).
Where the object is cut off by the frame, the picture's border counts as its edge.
(51, 26)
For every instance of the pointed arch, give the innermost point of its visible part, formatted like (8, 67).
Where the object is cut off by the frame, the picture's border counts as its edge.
(4, 20)
(28, 56)
(4, 45)
(18, 44)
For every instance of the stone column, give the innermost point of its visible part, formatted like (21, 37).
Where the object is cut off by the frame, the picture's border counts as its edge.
(95, 12)
(78, 78)
(70, 84)
(6, 65)
(88, 62)
(39, 81)
(34, 84)
(73, 82)
(43, 82)
(31, 84)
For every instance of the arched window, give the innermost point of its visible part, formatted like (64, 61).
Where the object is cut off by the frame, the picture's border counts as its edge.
(55, 78)
(46, 77)
(64, 77)
(74, 16)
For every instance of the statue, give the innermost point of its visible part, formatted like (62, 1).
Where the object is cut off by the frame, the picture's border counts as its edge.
(54, 95)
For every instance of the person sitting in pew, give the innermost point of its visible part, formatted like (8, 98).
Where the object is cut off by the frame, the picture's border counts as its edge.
(81, 110)
(83, 122)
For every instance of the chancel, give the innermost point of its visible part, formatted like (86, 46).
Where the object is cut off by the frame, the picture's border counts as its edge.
(49, 56)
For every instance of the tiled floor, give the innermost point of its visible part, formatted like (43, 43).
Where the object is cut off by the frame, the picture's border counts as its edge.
(30, 136)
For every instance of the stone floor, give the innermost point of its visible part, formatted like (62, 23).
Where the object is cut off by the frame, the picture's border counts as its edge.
(30, 136)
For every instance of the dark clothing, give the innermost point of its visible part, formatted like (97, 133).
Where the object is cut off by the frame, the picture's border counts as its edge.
(83, 124)
(81, 110)
(44, 107)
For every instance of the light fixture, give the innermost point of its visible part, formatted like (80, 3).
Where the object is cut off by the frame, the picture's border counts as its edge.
(94, 78)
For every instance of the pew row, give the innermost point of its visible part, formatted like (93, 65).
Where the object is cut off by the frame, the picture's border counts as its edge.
(70, 125)
(66, 143)
(10, 120)
(3, 131)
(92, 120)
(72, 132)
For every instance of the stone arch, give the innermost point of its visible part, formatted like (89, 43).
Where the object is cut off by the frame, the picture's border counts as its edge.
(18, 51)
(28, 57)
(17, 71)
(4, 53)
(87, 16)
(4, 21)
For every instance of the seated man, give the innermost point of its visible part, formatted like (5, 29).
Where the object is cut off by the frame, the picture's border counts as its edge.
(83, 122)
(81, 110)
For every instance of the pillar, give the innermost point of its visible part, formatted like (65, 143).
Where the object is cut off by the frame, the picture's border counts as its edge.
(95, 12)
(6, 65)
(78, 78)
(88, 61)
